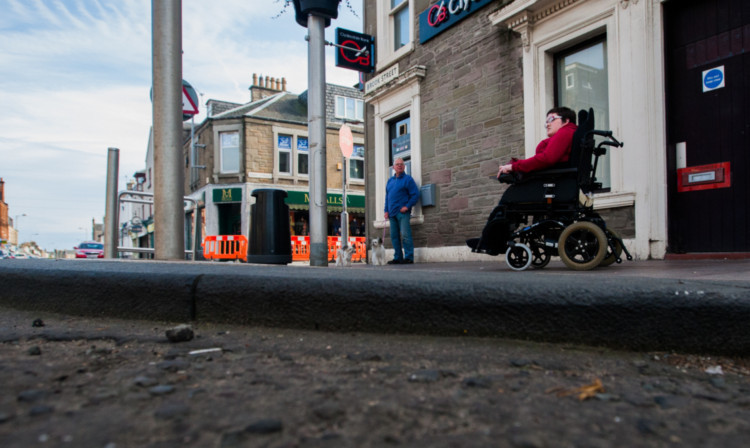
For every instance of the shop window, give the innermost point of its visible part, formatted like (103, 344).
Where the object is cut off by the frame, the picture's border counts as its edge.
(349, 108)
(395, 30)
(587, 64)
(357, 164)
(229, 143)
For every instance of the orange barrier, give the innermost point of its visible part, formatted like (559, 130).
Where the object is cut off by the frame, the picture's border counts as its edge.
(300, 248)
(333, 245)
(225, 247)
(360, 248)
(357, 242)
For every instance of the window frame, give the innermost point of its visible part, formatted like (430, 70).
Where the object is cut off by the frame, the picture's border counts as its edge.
(294, 152)
(539, 63)
(349, 177)
(219, 154)
(359, 108)
(385, 35)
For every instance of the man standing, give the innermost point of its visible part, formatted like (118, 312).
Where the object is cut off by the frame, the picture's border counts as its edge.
(401, 194)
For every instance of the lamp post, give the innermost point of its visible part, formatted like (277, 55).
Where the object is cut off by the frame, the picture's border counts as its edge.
(316, 15)
(15, 225)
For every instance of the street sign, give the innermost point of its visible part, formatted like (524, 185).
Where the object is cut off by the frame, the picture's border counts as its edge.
(189, 99)
(359, 52)
(346, 141)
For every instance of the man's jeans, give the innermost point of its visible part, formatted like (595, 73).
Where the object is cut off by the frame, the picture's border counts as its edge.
(401, 230)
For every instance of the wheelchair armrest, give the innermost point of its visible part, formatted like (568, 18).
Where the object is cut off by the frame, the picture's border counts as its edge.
(509, 178)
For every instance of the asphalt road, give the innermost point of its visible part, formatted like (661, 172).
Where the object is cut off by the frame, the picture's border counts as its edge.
(108, 383)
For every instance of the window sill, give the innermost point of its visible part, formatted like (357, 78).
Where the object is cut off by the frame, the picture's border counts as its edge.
(613, 200)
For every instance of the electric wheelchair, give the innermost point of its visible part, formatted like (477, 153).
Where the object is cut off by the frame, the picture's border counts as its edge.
(551, 212)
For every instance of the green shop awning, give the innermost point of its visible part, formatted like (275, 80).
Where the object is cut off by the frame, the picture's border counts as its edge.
(300, 200)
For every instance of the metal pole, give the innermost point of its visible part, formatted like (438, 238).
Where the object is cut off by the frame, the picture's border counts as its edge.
(169, 214)
(344, 214)
(316, 117)
(112, 211)
(192, 152)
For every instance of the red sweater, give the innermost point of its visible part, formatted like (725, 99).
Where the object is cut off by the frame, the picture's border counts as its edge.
(549, 151)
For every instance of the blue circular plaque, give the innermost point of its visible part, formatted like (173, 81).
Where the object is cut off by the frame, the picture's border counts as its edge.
(713, 78)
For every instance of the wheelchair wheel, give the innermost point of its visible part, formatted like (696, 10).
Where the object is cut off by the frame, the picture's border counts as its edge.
(518, 257)
(582, 246)
(612, 256)
(540, 256)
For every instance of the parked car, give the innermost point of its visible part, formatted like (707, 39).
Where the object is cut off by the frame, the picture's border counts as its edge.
(89, 249)
(5, 254)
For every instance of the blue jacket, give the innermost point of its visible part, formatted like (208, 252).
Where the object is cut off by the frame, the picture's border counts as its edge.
(400, 192)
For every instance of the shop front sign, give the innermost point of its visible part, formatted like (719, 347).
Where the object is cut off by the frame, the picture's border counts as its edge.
(332, 200)
(227, 194)
(443, 14)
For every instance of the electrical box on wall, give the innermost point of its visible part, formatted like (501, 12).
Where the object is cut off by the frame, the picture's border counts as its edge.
(428, 195)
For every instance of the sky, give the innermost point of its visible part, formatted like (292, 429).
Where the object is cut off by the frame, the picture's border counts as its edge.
(75, 77)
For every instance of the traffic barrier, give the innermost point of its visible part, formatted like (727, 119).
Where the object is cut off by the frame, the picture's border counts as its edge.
(333, 245)
(360, 248)
(300, 248)
(225, 247)
(357, 242)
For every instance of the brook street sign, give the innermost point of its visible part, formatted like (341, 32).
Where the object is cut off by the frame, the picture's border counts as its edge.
(443, 14)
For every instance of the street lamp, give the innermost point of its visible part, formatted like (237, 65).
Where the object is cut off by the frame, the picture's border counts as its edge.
(15, 225)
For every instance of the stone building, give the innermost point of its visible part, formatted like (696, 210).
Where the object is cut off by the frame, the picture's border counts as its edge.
(462, 86)
(263, 143)
(4, 221)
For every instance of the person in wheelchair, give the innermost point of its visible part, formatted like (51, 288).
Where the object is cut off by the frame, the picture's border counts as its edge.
(552, 152)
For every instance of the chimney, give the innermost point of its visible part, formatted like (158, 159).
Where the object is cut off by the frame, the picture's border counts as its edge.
(263, 87)
(2, 190)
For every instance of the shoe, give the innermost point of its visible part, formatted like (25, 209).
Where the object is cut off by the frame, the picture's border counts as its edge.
(394, 262)
(407, 261)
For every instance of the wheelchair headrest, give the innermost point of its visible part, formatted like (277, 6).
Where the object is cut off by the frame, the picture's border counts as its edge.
(585, 124)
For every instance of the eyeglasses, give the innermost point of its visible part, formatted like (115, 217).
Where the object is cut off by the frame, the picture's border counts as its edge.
(398, 164)
(553, 118)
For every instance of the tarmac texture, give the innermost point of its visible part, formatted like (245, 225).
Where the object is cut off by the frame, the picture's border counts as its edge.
(111, 383)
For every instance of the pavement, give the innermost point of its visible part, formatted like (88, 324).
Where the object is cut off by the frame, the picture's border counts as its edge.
(690, 306)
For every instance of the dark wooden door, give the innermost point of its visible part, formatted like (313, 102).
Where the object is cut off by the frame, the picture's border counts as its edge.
(713, 126)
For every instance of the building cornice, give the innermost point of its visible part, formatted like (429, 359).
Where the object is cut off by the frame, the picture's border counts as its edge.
(523, 13)
(412, 74)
